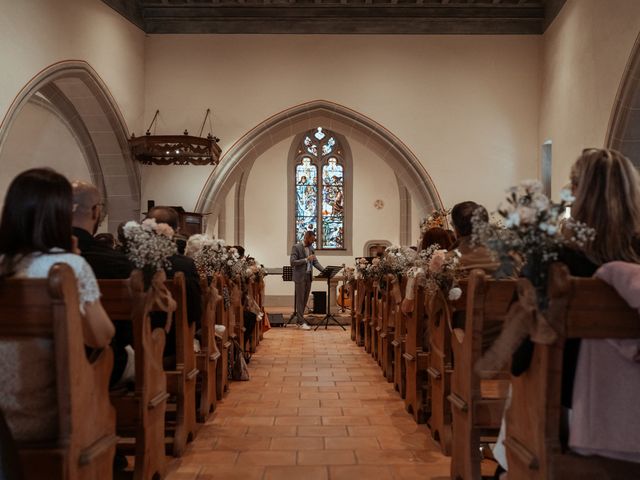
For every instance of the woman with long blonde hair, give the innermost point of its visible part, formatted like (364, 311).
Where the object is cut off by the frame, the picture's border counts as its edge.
(606, 187)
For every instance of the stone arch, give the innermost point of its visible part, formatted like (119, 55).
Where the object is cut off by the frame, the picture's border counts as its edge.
(240, 157)
(624, 127)
(80, 97)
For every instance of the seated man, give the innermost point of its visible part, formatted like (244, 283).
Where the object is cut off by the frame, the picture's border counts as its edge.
(106, 263)
(179, 263)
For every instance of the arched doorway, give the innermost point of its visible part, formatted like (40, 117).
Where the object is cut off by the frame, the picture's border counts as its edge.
(624, 126)
(72, 94)
(413, 180)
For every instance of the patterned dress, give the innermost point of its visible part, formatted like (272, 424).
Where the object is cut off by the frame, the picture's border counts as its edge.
(27, 372)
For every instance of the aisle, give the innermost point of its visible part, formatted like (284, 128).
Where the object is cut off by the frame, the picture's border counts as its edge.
(316, 407)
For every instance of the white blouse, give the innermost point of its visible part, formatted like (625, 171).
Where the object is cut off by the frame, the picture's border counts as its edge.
(27, 376)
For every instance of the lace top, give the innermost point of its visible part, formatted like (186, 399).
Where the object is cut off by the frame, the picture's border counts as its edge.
(27, 376)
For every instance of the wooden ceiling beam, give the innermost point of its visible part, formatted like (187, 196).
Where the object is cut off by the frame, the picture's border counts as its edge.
(339, 16)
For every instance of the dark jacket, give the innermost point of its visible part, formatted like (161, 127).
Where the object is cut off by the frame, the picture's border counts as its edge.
(109, 264)
(106, 262)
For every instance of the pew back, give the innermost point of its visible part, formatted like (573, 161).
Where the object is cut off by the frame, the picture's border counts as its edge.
(476, 410)
(48, 309)
(142, 415)
(579, 308)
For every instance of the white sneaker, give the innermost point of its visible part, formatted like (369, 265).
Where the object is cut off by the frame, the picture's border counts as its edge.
(305, 326)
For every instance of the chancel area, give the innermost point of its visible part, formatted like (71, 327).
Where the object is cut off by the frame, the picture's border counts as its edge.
(264, 239)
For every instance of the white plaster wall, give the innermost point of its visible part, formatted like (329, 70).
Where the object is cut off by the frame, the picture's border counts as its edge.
(467, 106)
(586, 50)
(266, 209)
(37, 33)
(38, 138)
(166, 184)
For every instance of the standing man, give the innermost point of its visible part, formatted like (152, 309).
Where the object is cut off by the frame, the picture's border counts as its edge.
(303, 259)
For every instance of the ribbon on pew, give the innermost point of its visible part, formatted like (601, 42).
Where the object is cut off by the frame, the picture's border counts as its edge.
(162, 298)
(523, 319)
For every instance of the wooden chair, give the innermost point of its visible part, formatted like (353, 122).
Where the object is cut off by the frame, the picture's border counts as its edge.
(140, 415)
(181, 380)
(589, 308)
(440, 313)
(48, 309)
(223, 342)
(416, 358)
(209, 355)
(477, 406)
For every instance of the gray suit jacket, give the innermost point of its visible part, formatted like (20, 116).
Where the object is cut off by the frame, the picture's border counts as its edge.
(298, 261)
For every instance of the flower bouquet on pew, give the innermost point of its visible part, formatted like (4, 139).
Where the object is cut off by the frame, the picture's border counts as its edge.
(209, 257)
(394, 265)
(435, 269)
(366, 270)
(148, 246)
(534, 233)
(437, 218)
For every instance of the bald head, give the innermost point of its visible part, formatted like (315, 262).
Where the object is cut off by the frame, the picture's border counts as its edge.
(166, 215)
(87, 206)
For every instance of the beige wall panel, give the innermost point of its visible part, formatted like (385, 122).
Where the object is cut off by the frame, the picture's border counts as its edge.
(466, 106)
(586, 50)
(37, 33)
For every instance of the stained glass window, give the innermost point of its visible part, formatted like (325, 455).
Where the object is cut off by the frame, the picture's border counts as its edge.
(320, 199)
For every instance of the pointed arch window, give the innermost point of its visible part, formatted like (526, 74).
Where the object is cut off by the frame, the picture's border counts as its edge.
(319, 189)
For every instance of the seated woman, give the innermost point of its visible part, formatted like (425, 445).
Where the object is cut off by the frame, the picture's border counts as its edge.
(606, 187)
(35, 234)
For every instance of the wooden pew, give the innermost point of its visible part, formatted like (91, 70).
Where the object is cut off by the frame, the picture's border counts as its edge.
(351, 289)
(236, 314)
(374, 322)
(476, 405)
(209, 355)
(181, 380)
(224, 343)
(9, 457)
(534, 451)
(255, 292)
(366, 315)
(385, 348)
(140, 415)
(440, 313)
(48, 309)
(416, 357)
(359, 295)
(399, 343)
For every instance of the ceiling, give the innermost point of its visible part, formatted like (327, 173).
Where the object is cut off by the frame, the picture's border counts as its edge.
(403, 17)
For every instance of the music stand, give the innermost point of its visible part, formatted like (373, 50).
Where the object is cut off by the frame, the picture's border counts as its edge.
(328, 273)
(287, 276)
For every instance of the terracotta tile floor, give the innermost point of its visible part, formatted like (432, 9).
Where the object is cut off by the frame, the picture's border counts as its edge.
(316, 407)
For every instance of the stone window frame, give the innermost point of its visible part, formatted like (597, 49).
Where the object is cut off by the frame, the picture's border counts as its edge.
(346, 160)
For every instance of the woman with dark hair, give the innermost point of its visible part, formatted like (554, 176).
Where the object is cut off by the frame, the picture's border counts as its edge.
(35, 234)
